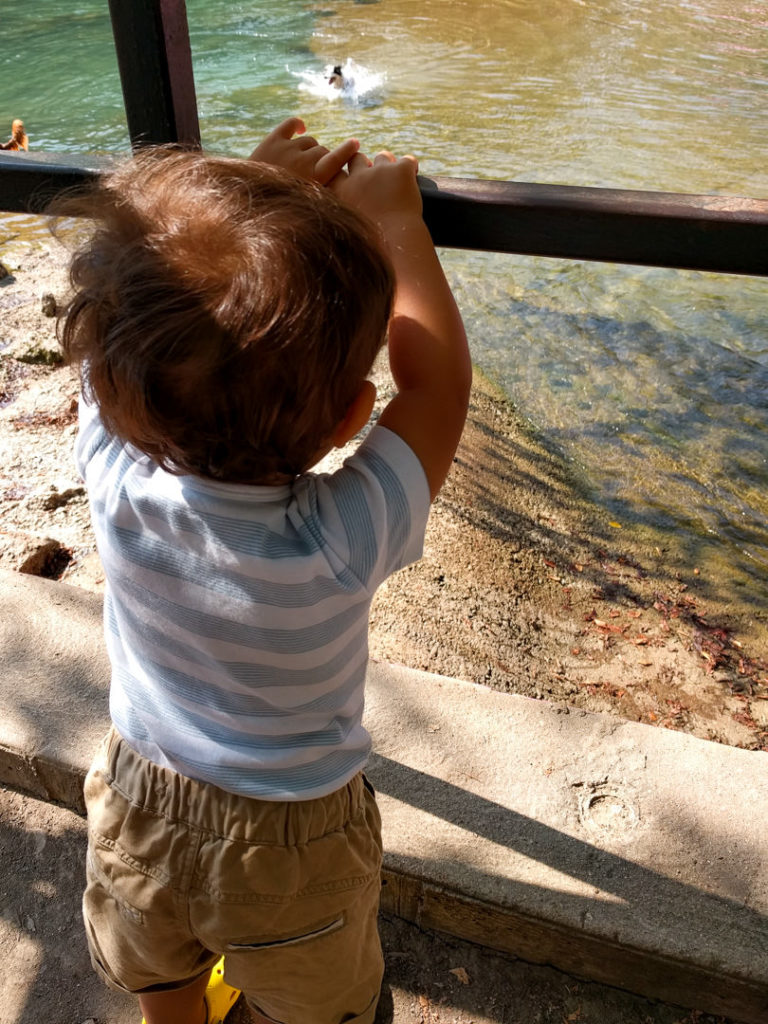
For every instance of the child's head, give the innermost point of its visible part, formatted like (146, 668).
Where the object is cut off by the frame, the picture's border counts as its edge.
(225, 314)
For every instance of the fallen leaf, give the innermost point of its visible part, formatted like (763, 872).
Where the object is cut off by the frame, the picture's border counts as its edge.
(461, 974)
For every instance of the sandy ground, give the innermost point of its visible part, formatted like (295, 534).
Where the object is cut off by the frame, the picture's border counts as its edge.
(525, 586)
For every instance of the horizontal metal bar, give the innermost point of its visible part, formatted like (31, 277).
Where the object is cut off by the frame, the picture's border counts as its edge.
(726, 234)
(28, 182)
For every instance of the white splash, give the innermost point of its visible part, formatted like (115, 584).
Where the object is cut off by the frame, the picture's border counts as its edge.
(360, 86)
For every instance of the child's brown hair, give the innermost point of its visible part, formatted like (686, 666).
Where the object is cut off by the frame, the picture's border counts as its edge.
(225, 312)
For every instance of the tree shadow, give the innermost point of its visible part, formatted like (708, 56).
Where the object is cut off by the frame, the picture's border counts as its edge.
(48, 975)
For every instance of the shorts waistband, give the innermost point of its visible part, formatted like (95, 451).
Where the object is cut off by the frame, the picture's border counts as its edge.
(166, 793)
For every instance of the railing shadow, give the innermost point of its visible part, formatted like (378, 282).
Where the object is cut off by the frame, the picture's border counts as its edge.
(640, 892)
(630, 925)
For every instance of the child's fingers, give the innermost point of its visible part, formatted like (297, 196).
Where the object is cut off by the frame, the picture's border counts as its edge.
(272, 146)
(288, 128)
(306, 142)
(331, 163)
(385, 157)
(359, 162)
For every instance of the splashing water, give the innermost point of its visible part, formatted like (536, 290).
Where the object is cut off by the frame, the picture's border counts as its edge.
(359, 85)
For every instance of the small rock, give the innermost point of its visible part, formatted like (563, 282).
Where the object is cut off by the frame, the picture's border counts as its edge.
(759, 710)
(41, 355)
(59, 498)
(4, 272)
(48, 305)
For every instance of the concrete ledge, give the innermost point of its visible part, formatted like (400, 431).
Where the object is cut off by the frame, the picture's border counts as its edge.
(619, 852)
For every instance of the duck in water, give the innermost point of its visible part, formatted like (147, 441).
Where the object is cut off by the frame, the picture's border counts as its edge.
(336, 79)
(18, 139)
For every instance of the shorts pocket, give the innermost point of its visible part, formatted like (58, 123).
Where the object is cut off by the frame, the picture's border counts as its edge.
(99, 876)
(318, 932)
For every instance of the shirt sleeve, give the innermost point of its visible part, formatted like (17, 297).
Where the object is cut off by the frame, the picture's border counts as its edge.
(91, 435)
(373, 511)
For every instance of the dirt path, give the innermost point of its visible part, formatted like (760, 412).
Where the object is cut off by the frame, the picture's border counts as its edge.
(524, 586)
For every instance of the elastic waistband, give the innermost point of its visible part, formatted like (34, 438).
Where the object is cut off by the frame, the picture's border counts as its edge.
(166, 793)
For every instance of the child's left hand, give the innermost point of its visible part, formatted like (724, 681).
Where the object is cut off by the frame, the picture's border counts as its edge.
(303, 155)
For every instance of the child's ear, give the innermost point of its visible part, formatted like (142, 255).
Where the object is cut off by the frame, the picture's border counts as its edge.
(357, 415)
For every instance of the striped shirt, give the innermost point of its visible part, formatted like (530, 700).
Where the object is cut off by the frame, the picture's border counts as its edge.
(236, 616)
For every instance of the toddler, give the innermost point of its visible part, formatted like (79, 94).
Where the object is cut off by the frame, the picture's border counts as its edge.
(225, 317)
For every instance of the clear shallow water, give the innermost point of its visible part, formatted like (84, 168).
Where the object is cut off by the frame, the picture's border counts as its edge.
(653, 382)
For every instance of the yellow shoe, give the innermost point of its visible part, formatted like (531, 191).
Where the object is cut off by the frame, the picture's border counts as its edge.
(219, 996)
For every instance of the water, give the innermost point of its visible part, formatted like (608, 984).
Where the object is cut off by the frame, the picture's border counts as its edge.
(654, 383)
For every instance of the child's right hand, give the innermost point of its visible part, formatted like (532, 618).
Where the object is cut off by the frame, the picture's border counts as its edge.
(428, 352)
(384, 189)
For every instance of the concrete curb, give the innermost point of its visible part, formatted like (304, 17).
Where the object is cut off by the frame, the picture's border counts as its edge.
(621, 853)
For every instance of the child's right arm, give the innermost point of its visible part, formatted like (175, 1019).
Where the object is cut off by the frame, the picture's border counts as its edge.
(428, 351)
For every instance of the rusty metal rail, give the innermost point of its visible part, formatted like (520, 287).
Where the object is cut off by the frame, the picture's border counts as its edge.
(693, 232)
(697, 232)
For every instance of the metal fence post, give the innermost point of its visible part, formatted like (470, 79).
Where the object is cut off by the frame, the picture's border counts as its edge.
(155, 62)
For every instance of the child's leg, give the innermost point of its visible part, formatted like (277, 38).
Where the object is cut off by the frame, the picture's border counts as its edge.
(258, 1018)
(180, 1006)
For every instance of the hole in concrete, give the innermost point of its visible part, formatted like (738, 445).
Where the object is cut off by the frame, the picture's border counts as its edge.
(606, 809)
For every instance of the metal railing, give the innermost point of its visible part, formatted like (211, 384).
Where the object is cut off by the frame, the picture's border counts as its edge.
(696, 232)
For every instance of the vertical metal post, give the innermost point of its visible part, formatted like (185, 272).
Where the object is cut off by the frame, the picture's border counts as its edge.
(155, 62)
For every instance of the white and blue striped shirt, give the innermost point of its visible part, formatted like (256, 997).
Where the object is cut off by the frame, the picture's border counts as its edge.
(236, 616)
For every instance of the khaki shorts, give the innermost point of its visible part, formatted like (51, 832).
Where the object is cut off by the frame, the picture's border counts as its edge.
(180, 872)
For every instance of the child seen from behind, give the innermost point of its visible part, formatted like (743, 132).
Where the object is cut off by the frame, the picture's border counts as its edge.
(226, 315)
